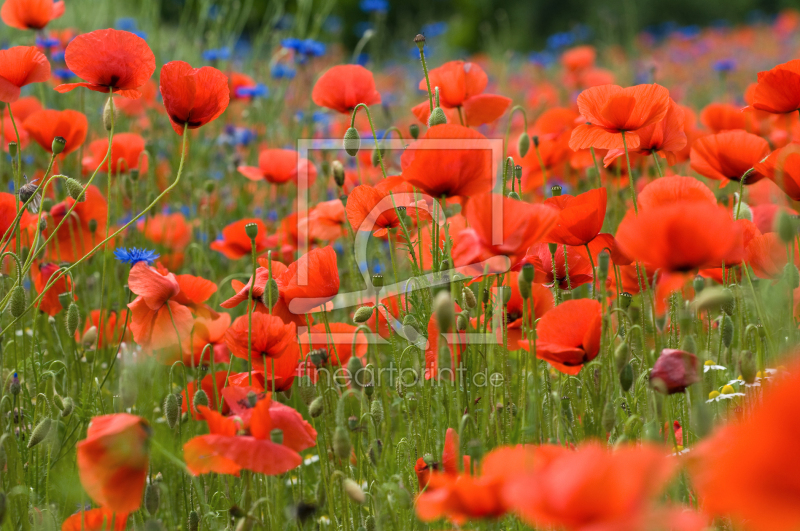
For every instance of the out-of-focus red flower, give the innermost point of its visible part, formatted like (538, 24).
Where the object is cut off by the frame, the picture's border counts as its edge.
(674, 188)
(579, 57)
(113, 461)
(674, 370)
(569, 335)
(612, 110)
(109, 60)
(10, 135)
(113, 325)
(24, 107)
(761, 449)
(235, 242)
(463, 169)
(449, 463)
(311, 281)
(580, 217)
(193, 97)
(20, 66)
(728, 155)
(783, 168)
(8, 213)
(577, 266)
(82, 230)
(343, 87)
(45, 125)
(720, 117)
(325, 222)
(41, 275)
(101, 519)
(666, 137)
(766, 254)
(279, 166)
(127, 153)
(168, 230)
(31, 14)
(778, 89)
(238, 81)
(208, 331)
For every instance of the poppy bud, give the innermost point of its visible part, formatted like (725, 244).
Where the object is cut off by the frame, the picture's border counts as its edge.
(92, 225)
(785, 226)
(376, 410)
(715, 297)
(276, 436)
(470, 301)
(505, 294)
(552, 247)
(513, 195)
(89, 338)
(47, 204)
(377, 281)
(699, 284)
(39, 432)
(726, 330)
(413, 130)
(69, 406)
(625, 300)
(609, 416)
(353, 491)
(622, 355)
(528, 272)
(411, 328)
(58, 145)
(251, 229)
(338, 173)
(443, 309)
(747, 366)
(193, 524)
(107, 115)
(152, 498)
(676, 370)
(200, 399)
(437, 117)
(12, 149)
(354, 366)
(626, 377)
(172, 410)
(307, 389)
(524, 287)
(271, 293)
(341, 443)
(210, 186)
(792, 275)
(523, 144)
(316, 407)
(74, 189)
(17, 303)
(65, 299)
(363, 314)
(352, 141)
(319, 357)
(461, 322)
(555, 190)
(73, 319)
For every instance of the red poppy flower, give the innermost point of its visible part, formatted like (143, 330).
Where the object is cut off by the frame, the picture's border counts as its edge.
(82, 230)
(208, 331)
(41, 275)
(783, 168)
(580, 217)
(10, 135)
(578, 267)
(666, 137)
(30, 14)
(167, 230)
(20, 66)
(339, 344)
(522, 225)
(720, 117)
(554, 152)
(193, 97)
(279, 166)
(108, 60)
(127, 153)
(96, 520)
(673, 188)
(343, 87)
(310, 282)
(766, 254)
(371, 209)
(113, 461)
(461, 85)
(8, 214)
(24, 107)
(270, 338)
(235, 242)
(111, 331)
(679, 237)
(675, 370)
(728, 155)
(45, 125)
(761, 450)
(464, 168)
(449, 463)
(569, 335)
(592, 488)
(778, 90)
(612, 110)
(579, 57)
(325, 222)
(539, 303)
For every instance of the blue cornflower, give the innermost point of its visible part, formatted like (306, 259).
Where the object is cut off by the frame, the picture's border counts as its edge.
(258, 91)
(135, 255)
(369, 6)
(725, 65)
(279, 70)
(292, 43)
(434, 29)
(126, 24)
(46, 42)
(220, 54)
(312, 48)
(63, 73)
(57, 56)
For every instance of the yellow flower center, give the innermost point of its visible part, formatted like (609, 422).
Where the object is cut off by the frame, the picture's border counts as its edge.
(713, 394)
(709, 362)
(728, 390)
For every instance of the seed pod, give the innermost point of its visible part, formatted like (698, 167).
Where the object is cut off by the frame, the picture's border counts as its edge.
(413, 130)
(58, 145)
(316, 407)
(352, 141)
(341, 443)
(443, 309)
(193, 524)
(524, 287)
(172, 411)
(17, 303)
(12, 149)
(523, 144)
(470, 301)
(271, 293)
(437, 117)
(376, 410)
(73, 319)
(338, 173)
(461, 322)
(353, 491)
(609, 416)
(698, 284)
(626, 377)
(152, 498)
(74, 189)
(726, 330)
(251, 229)
(363, 314)
(505, 294)
(276, 436)
(625, 300)
(354, 367)
(200, 399)
(747, 366)
(69, 406)
(306, 389)
(513, 195)
(39, 432)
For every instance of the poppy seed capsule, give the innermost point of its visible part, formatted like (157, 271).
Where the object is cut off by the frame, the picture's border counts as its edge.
(307, 390)
(747, 366)
(39, 432)
(437, 117)
(524, 287)
(172, 410)
(523, 144)
(353, 491)
(73, 319)
(377, 281)
(338, 173)
(363, 314)
(518, 171)
(419, 40)
(555, 190)
(413, 130)
(74, 189)
(200, 399)
(698, 284)
(625, 300)
(251, 229)
(12, 149)
(352, 141)
(17, 303)
(59, 143)
(341, 443)
(316, 407)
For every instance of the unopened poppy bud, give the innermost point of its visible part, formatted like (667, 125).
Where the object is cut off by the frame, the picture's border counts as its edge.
(625, 300)
(172, 411)
(73, 319)
(341, 443)
(437, 117)
(74, 189)
(353, 491)
(108, 117)
(65, 299)
(443, 309)
(461, 322)
(319, 357)
(675, 370)
(413, 130)
(376, 410)
(785, 227)
(200, 399)
(152, 498)
(419, 40)
(792, 275)
(307, 390)
(555, 190)
(626, 377)
(92, 226)
(316, 407)
(47, 204)
(210, 186)
(134, 174)
(251, 229)
(276, 436)
(523, 144)
(609, 416)
(354, 367)
(338, 173)
(193, 523)
(470, 301)
(12, 149)
(376, 157)
(39, 432)
(16, 304)
(69, 406)
(505, 294)
(271, 293)
(377, 281)
(363, 314)
(552, 247)
(352, 141)
(603, 260)
(528, 272)
(58, 145)
(698, 284)
(524, 287)
(513, 195)
(621, 355)
(726, 330)
(89, 338)
(747, 366)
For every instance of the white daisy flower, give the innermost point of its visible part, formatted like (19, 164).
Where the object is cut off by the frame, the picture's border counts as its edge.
(727, 393)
